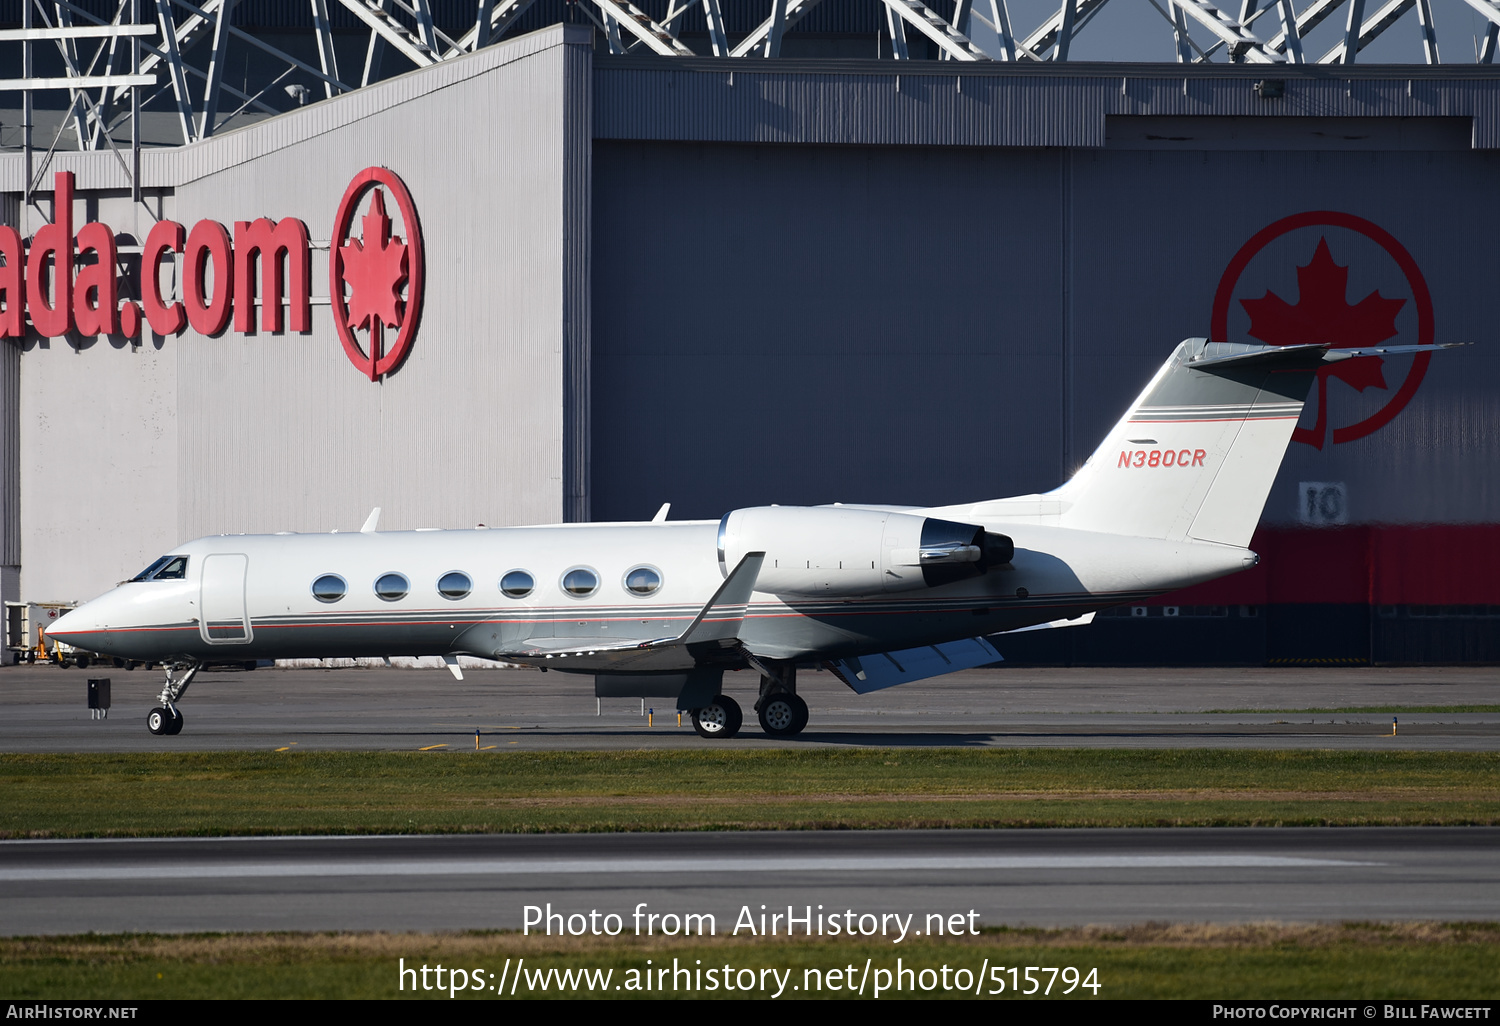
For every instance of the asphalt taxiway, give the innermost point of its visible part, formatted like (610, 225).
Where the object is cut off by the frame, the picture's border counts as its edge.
(43, 709)
(1036, 878)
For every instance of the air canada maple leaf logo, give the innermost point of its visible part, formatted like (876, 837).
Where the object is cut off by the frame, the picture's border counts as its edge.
(375, 280)
(1322, 313)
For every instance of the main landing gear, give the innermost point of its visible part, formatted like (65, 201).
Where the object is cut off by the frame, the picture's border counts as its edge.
(782, 712)
(721, 718)
(166, 719)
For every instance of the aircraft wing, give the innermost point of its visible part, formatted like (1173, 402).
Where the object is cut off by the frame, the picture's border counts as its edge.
(716, 626)
(865, 674)
(887, 669)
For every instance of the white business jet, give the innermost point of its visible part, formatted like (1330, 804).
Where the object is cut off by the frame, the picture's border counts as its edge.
(880, 595)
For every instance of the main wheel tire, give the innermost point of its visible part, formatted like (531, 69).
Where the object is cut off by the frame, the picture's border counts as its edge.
(801, 711)
(722, 718)
(176, 727)
(778, 715)
(159, 721)
(83, 662)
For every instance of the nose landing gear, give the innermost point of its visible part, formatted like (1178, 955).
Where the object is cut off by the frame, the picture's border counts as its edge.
(165, 718)
(164, 721)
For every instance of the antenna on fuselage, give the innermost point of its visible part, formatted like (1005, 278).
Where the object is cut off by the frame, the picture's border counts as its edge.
(371, 521)
(661, 514)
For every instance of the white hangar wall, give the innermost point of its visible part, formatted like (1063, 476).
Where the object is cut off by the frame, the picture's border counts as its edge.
(123, 450)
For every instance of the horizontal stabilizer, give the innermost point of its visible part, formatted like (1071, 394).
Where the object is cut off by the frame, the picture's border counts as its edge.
(1308, 354)
(1081, 621)
(887, 669)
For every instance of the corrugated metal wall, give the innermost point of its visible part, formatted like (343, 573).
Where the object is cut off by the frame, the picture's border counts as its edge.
(10, 445)
(950, 291)
(1000, 104)
(811, 325)
(131, 448)
(937, 325)
(472, 427)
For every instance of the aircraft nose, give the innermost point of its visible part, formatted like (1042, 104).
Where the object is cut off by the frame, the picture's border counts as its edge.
(84, 627)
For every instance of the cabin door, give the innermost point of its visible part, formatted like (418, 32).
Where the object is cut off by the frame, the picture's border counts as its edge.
(224, 618)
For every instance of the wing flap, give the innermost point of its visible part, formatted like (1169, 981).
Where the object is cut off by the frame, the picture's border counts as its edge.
(865, 674)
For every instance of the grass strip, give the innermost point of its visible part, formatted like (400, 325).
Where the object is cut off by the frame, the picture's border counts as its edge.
(1396, 709)
(239, 793)
(1358, 961)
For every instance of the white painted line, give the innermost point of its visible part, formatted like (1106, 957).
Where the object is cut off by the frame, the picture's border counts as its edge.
(659, 866)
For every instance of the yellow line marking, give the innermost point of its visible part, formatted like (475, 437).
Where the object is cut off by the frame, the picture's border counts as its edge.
(488, 747)
(431, 747)
(512, 742)
(282, 749)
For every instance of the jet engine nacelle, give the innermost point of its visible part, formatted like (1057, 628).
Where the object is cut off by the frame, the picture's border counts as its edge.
(841, 550)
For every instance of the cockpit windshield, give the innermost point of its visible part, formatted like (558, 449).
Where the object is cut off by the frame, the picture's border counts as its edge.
(167, 568)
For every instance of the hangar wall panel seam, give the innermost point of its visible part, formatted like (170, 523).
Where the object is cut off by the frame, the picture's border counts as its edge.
(10, 444)
(577, 259)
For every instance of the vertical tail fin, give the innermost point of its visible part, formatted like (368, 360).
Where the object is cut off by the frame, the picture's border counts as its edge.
(1197, 452)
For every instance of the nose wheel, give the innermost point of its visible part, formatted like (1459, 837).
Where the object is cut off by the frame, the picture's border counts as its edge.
(162, 720)
(783, 715)
(165, 719)
(722, 718)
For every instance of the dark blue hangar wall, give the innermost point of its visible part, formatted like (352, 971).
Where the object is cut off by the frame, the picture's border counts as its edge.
(926, 284)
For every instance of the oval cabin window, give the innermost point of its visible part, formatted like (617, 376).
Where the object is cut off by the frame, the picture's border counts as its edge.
(329, 588)
(580, 582)
(454, 585)
(517, 584)
(392, 587)
(643, 580)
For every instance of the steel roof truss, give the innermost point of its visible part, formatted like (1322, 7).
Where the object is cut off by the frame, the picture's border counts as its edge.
(778, 28)
(793, 12)
(1067, 18)
(174, 68)
(1000, 11)
(1491, 10)
(1378, 22)
(950, 41)
(896, 29)
(1313, 15)
(1045, 36)
(327, 56)
(378, 17)
(1429, 32)
(1231, 31)
(216, 68)
(502, 15)
(639, 24)
(718, 39)
(425, 28)
(68, 48)
(1353, 30)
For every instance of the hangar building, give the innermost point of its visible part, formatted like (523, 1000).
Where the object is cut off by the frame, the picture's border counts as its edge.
(694, 281)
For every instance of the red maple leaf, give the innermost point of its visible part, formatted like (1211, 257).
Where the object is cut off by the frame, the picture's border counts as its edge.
(1322, 314)
(375, 270)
